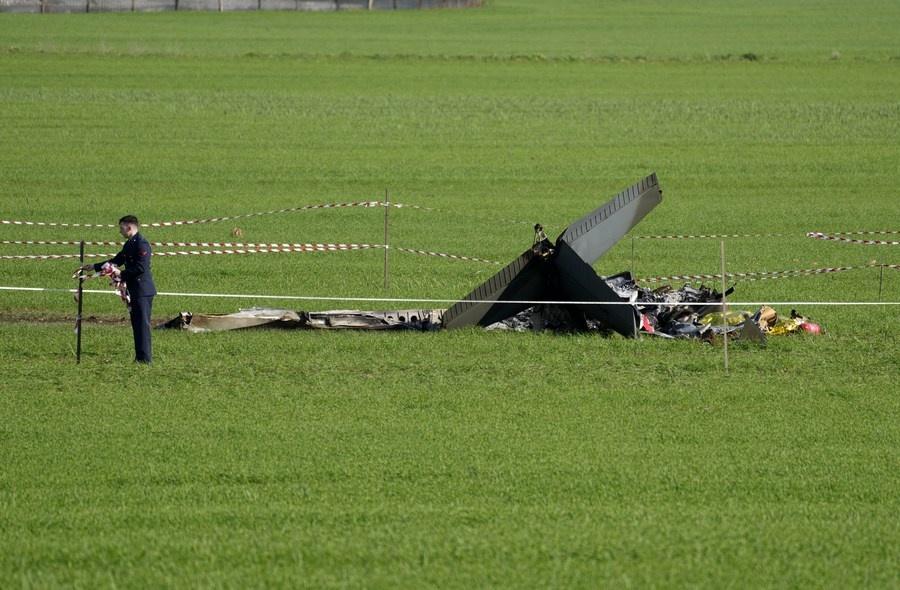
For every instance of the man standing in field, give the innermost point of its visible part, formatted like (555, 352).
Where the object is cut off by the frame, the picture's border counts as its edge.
(135, 255)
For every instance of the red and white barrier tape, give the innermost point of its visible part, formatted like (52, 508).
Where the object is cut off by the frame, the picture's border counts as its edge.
(267, 249)
(222, 248)
(115, 281)
(53, 223)
(707, 236)
(763, 275)
(839, 237)
(445, 255)
(866, 232)
(64, 243)
(819, 235)
(243, 245)
(274, 249)
(50, 256)
(366, 204)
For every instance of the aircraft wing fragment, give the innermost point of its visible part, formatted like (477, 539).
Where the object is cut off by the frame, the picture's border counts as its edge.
(598, 231)
(564, 272)
(521, 280)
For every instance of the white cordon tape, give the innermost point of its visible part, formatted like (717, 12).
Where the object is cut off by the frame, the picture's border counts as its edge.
(839, 237)
(764, 275)
(442, 301)
(366, 204)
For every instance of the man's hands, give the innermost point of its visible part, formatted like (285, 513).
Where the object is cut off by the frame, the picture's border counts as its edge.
(79, 272)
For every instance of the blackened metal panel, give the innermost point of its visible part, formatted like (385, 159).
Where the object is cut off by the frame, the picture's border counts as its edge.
(579, 282)
(611, 221)
(524, 279)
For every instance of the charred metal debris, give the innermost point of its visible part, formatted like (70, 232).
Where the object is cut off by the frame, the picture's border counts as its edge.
(561, 274)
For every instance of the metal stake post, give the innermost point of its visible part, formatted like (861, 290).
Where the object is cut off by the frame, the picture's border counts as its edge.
(880, 282)
(80, 306)
(387, 207)
(724, 308)
(632, 257)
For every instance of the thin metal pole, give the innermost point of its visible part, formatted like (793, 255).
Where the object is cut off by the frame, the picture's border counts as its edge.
(880, 282)
(387, 207)
(80, 306)
(724, 308)
(632, 256)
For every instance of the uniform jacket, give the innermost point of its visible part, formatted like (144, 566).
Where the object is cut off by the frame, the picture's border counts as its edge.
(135, 255)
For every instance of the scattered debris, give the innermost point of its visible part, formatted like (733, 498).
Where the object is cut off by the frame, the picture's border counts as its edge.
(413, 319)
(668, 313)
(560, 276)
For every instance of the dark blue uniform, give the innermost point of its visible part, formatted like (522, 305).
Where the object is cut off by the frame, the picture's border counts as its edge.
(135, 255)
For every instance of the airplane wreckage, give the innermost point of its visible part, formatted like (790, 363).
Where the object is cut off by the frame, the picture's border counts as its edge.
(559, 273)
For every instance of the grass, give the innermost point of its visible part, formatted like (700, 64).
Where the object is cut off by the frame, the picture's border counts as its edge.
(465, 458)
(522, 460)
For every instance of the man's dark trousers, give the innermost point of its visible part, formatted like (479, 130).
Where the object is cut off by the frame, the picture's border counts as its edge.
(135, 255)
(140, 326)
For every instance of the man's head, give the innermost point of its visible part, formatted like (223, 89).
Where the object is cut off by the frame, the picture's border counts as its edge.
(128, 226)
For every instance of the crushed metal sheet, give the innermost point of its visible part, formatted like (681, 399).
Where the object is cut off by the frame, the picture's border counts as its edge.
(413, 319)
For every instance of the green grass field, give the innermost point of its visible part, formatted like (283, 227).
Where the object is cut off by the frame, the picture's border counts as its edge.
(466, 458)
